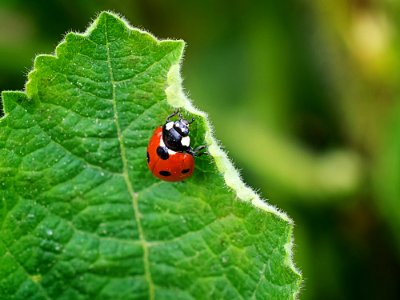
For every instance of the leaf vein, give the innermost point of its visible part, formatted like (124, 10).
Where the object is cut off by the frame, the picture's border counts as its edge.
(134, 197)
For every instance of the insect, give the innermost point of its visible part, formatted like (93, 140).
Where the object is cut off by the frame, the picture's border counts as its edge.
(169, 154)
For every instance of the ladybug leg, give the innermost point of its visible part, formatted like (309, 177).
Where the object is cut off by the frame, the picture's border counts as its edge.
(172, 115)
(196, 151)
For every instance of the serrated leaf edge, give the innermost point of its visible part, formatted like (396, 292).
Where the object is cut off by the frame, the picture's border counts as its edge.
(177, 98)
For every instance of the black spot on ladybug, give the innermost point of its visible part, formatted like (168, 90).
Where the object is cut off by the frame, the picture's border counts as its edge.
(148, 157)
(162, 152)
(164, 173)
(184, 171)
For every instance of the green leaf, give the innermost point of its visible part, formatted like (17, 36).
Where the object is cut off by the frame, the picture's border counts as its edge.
(81, 215)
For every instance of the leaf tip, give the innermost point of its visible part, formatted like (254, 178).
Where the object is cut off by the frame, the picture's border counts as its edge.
(105, 16)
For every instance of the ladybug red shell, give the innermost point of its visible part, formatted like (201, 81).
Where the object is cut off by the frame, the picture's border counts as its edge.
(176, 167)
(169, 154)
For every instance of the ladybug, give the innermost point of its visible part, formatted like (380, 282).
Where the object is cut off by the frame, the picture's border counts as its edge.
(169, 155)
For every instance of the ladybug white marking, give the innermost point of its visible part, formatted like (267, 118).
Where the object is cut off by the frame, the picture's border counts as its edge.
(185, 141)
(169, 125)
(162, 142)
(171, 152)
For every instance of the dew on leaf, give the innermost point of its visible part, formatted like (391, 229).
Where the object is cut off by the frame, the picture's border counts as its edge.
(224, 260)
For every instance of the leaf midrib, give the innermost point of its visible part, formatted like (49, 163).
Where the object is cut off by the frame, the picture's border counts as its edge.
(133, 195)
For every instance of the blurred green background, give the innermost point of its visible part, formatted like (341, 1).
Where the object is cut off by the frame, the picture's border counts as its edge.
(304, 95)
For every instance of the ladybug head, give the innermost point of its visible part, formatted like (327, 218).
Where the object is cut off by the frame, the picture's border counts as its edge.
(182, 126)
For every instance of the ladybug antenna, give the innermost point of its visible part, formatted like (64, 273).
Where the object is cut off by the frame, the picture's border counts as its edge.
(193, 119)
(173, 114)
(180, 115)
